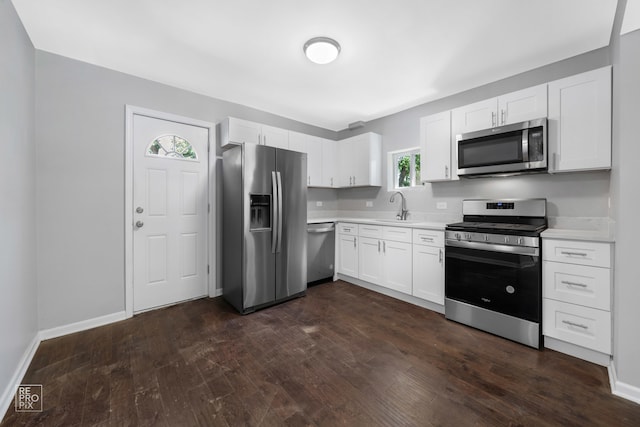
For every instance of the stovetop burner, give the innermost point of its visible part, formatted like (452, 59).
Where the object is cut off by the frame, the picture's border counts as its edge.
(525, 217)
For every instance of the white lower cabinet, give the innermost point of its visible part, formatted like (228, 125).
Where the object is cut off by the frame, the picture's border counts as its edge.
(428, 272)
(576, 306)
(406, 260)
(576, 324)
(385, 262)
(396, 266)
(370, 257)
(347, 262)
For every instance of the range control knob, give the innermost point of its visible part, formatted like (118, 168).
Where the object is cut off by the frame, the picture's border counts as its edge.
(520, 241)
(506, 239)
(467, 236)
(457, 236)
(486, 237)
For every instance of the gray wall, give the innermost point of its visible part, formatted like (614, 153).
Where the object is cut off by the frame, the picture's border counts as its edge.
(18, 303)
(624, 191)
(80, 155)
(569, 195)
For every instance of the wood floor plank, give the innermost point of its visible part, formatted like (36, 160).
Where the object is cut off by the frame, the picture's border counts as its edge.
(341, 356)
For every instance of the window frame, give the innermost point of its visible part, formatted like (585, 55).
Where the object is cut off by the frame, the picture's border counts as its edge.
(393, 172)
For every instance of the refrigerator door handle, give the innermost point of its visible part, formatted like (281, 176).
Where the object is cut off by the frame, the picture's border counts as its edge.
(275, 197)
(279, 180)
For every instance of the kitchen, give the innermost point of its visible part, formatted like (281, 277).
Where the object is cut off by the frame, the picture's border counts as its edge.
(94, 100)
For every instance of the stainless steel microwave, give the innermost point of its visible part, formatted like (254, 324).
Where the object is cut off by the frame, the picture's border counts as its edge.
(511, 149)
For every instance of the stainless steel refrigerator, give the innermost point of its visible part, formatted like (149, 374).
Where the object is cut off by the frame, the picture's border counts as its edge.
(264, 234)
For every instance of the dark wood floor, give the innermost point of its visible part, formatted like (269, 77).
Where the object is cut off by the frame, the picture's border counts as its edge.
(340, 356)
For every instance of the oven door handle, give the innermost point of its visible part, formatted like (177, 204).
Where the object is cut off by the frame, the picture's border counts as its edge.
(518, 250)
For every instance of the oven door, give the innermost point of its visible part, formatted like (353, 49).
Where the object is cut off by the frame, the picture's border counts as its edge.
(504, 282)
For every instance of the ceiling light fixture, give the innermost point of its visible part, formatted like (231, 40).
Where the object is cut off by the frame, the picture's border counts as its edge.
(321, 50)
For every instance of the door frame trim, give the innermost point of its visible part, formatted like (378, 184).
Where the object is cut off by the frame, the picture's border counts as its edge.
(210, 232)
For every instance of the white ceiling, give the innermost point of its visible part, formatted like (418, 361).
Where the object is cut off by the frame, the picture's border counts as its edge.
(395, 53)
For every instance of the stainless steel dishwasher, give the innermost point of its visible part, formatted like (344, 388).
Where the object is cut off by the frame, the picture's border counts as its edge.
(320, 252)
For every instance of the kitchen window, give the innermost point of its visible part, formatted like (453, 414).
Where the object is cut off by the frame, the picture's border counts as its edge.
(404, 168)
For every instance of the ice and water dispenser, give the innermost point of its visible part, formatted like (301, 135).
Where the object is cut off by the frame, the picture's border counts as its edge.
(260, 211)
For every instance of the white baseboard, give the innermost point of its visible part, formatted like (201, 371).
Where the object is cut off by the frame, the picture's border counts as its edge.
(216, 293)
(8, 394)
(589, 355)
(83, 325)
(618, 388)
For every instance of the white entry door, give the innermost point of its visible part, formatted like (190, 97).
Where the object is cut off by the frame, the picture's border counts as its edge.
(170, 204)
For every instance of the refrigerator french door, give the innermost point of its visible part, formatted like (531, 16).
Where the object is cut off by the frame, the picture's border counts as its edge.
(264, 226)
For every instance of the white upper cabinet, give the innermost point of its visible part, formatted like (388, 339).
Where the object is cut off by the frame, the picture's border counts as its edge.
(314, 162)
(238, 131)
(436, 147)
(526, 104)
(329, 164)
(275, 137)
(359, 161)
(312, 145)
(298, 141)
(476, 116)
(523, 105)
(580, 122)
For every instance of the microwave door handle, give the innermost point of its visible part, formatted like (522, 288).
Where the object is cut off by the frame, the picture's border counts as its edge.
(525, 146)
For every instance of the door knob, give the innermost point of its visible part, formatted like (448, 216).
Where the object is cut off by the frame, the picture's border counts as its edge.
(139, 224)
(139, 209)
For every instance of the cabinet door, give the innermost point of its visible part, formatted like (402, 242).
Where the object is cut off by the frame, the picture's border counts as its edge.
(238, 131)
(435, 147)
(348, 255)
(526, 104)
(346, 159)
(477, 116)
(370, 254)
(275, 137)
(314, 161)
(329, 163)
(360, 161)
(298, 142)
(580, 122)
(396, 266)
(428, 273)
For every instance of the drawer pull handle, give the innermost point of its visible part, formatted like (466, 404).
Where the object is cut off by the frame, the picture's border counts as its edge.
(568, 283)
(427, 239)
(573, 253)
(577, 325)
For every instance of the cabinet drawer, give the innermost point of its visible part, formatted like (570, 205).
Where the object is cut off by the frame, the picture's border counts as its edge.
(428, 237)
(348, 228)
(366, 230)
(577, 252)
(577, 284)
(397, 234)
(583, 326)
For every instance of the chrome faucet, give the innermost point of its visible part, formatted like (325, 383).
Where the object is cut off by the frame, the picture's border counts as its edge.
(402, 215)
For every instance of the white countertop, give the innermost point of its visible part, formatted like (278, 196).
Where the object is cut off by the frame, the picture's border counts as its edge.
(386, 222)
(570, 234)
(601, 234)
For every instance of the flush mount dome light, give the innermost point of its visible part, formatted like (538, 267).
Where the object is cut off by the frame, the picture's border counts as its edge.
(322, 50)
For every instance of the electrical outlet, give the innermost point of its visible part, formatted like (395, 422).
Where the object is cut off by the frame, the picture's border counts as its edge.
(318, 203)
(369, 204)
(441, 205)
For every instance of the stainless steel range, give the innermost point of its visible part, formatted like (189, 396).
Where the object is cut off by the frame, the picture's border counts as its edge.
(493, 268)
